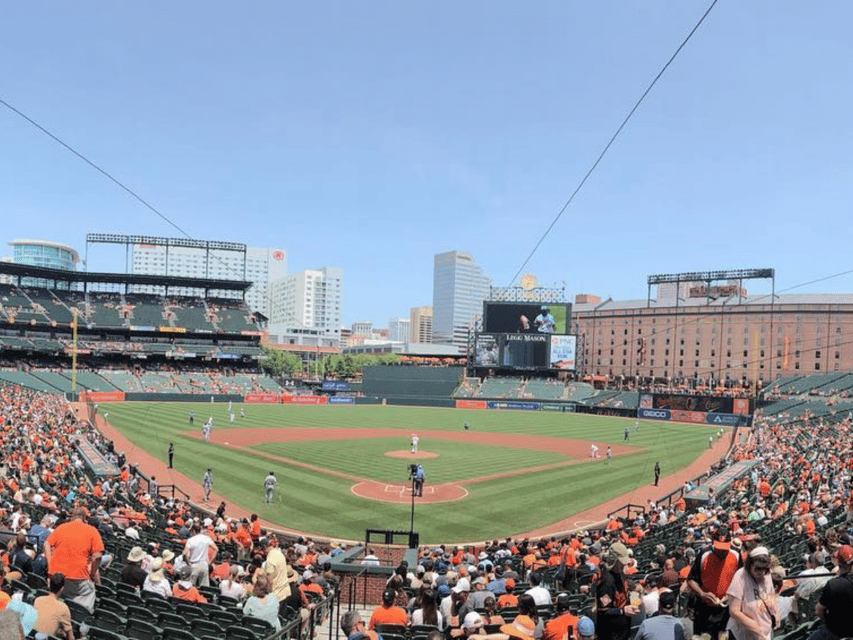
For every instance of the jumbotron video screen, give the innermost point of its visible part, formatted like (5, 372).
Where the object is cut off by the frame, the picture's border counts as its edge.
(526, 336)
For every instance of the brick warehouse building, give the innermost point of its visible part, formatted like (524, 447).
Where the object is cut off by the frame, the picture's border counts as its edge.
(729, 337)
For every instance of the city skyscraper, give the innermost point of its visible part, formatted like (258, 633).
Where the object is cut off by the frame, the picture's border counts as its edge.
(420, 325)
(458, 290)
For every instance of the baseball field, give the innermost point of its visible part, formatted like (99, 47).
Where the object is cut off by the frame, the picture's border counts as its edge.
(344, 469)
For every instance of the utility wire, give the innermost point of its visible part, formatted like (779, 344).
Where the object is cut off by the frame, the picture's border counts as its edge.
(123, 186)
(607, 146)
(96, 167)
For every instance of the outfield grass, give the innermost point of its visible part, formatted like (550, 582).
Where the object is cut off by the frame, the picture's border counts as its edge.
(323, 504)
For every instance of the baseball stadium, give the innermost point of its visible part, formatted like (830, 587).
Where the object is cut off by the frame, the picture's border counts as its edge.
(151, 414)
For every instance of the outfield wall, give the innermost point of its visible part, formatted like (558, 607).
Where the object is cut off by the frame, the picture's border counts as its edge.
(403, 380)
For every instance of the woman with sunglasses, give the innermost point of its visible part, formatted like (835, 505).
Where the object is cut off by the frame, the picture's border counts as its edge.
(752, 600)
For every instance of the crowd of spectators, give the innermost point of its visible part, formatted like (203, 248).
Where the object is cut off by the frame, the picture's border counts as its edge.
(74, 541)
(771, 554)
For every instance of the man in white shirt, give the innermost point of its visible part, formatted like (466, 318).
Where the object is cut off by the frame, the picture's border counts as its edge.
(541, 595)
(197, 553)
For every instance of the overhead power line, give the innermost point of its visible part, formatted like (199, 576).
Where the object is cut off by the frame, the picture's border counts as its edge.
(609, 143)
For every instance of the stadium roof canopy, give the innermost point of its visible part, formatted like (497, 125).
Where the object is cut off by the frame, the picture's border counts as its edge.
(16, 271)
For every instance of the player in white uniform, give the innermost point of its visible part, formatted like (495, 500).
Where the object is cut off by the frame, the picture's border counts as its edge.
(415, 441)
(270, 484)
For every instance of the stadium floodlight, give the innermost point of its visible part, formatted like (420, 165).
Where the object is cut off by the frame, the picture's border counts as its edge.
(711, 276)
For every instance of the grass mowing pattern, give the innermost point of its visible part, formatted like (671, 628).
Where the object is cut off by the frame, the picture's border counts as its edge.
(366, 458)
(322, 504)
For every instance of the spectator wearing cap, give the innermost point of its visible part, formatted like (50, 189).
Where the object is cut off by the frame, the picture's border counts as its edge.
(508, 599)
(611, 593)
(459, 606)
(156, 582)
(586, 628)
(54, 617)
(557, 627)
(472, 625)
(477, 598)
(388, 612)
(664, 626)
(709, 580)
(752, 599)
(184, 587)
(836, 599)
(133, 573)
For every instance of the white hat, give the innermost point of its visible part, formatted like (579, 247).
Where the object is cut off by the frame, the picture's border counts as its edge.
(472, 620)
(462, 585)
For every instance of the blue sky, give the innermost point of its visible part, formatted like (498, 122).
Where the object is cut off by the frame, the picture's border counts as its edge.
(373, 135)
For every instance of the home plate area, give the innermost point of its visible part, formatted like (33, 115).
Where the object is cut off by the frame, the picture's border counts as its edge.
(403, 493)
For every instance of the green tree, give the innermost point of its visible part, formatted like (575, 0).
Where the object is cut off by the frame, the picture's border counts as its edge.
(280, 363)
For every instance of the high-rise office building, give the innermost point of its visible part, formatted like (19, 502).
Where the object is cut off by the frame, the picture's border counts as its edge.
(257, 265)
(308, 300)
(398, 329)
(458, 291)
(420, 325)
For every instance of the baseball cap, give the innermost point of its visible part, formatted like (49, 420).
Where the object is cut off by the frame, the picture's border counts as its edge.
(462, 585)
(844, 554)
(443, 590)
(586, 627)
(509, 584)
(472, 620)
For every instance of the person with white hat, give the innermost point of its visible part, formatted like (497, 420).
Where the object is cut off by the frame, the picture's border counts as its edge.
(156, 582)
(133, 573)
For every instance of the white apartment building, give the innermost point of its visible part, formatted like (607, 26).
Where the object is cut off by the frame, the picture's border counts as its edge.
(307, 300)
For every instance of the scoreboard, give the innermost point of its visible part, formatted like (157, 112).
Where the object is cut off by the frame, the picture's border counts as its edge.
(524, 336)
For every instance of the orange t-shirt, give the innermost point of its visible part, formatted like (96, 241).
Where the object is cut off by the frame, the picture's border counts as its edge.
(72, 544)
(507, 600)
(190, 595)
(557, 627)
(388, 615)
(4, 600)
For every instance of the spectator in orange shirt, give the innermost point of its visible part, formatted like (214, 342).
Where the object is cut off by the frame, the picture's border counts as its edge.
(508, 599)
(387, 613)
(557, 627)
(184, 587)
(75, 549)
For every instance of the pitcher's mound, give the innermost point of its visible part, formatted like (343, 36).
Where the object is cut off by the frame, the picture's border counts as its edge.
(403, 453)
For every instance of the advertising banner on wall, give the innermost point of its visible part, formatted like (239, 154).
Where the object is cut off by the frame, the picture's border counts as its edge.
(524, 406)
(470, 404)
(257, 398)
(289, 399)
